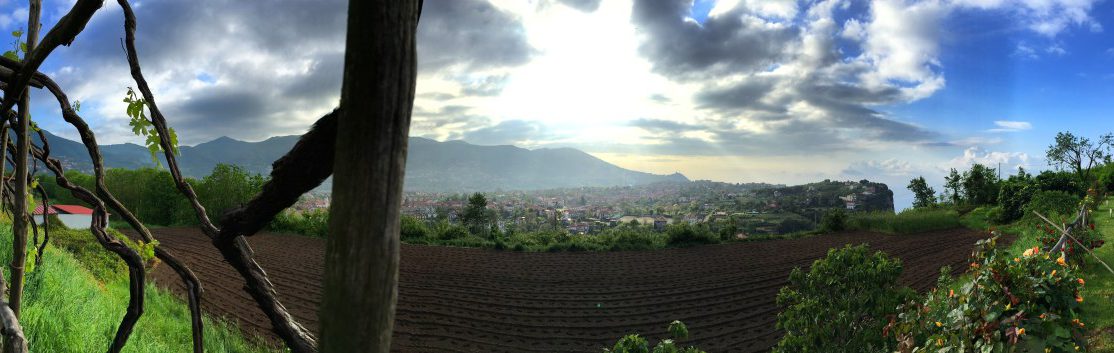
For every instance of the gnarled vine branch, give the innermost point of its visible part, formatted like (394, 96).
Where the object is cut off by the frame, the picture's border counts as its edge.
(231, 244)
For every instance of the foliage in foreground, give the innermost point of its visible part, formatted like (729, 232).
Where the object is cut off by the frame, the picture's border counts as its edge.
(842, 303)
(66, 309)
(104, 265)
(1003, 304)
(907, 222)
(633, 343)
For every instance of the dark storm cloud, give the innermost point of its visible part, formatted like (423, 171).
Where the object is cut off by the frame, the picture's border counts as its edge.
(268, 67)
(583, 5)
(742, 96)
(507, 132)
(730, 43)
(469, 32)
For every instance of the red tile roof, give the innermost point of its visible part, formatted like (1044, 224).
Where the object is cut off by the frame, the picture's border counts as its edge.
(65, 209)
(39, 210)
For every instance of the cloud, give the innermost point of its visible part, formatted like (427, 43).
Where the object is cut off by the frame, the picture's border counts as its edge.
(470, 34)
(509, 132)
(583, 5)
(1011, 126)
(1045, 17)
(732, 42)
(874, 168)
(1008, 160)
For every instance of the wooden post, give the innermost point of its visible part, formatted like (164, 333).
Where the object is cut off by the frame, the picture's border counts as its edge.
(361, 257)
(19, 195)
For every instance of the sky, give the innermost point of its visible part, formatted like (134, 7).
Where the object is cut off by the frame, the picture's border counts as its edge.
(771, 91)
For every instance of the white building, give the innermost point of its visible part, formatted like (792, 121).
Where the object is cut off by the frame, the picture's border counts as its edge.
(73, 216)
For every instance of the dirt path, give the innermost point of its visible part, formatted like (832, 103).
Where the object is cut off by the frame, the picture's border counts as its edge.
(476, 300)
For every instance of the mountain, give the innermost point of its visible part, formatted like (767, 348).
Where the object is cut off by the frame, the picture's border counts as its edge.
(460, 166)
(453, 166)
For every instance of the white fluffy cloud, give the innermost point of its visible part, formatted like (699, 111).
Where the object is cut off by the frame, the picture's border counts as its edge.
(1009, 161)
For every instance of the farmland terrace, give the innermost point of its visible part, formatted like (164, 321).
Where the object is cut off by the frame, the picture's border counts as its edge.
(481, 300)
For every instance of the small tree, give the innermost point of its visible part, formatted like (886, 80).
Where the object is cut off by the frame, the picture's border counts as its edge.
(834, 220)
(980, 185)
(1079, 153)
(953, 182)
(475, 214)
(924, 195)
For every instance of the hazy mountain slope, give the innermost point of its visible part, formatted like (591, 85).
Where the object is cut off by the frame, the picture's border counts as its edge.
(454, 166)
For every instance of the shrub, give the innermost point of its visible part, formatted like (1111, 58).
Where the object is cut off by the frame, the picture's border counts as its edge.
(1013, 194)
(105, 265)
(834, 220)
(314, 223)
(449, 232)
(1027, 303)
(1092, 239)
(1060, 181)
(687, 234)
(634, 343)
(906, 222)
(842, 303)
(1051, 204)
(411, 228)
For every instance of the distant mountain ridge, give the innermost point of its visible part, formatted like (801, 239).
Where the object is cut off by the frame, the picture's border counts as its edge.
(452, 166)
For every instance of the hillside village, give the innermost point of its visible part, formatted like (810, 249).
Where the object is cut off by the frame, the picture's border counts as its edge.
(749, 208)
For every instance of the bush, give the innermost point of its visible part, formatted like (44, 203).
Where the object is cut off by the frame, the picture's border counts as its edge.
(842, 303)
(1028, 303)
(105, 265)
(1051, 204)
(1060, 181)
(447, 231)
(687, 234)
(412, 229)
(907, 222)
(1013, 194)
(634, 343)
(834, 220)
(314, 223)
(627, 238)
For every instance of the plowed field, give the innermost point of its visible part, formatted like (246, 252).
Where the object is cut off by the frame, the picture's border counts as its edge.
(478, 300)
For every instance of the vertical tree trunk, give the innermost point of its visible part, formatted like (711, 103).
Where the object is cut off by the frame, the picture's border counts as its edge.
(23, 146)
(361, 259)
(3, 160)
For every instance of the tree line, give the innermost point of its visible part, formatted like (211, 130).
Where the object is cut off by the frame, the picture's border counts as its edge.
(1083, 167)
(151, 195)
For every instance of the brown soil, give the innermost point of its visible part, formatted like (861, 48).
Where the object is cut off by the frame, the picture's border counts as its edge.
(479, 300)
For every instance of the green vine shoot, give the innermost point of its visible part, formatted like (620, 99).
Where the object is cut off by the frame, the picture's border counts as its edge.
(141, 126)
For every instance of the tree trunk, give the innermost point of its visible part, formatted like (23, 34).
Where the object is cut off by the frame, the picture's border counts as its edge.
(361, 259)
(23, 146)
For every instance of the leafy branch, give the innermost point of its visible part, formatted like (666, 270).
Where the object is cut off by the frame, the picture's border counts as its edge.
(142, 126)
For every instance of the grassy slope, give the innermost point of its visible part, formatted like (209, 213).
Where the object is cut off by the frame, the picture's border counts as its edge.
(67, 310)
(1099, 292)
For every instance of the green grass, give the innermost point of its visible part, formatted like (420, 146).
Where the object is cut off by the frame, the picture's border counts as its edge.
(1027, 235)
(1099, 291)
(907, 222)
(67, 309)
